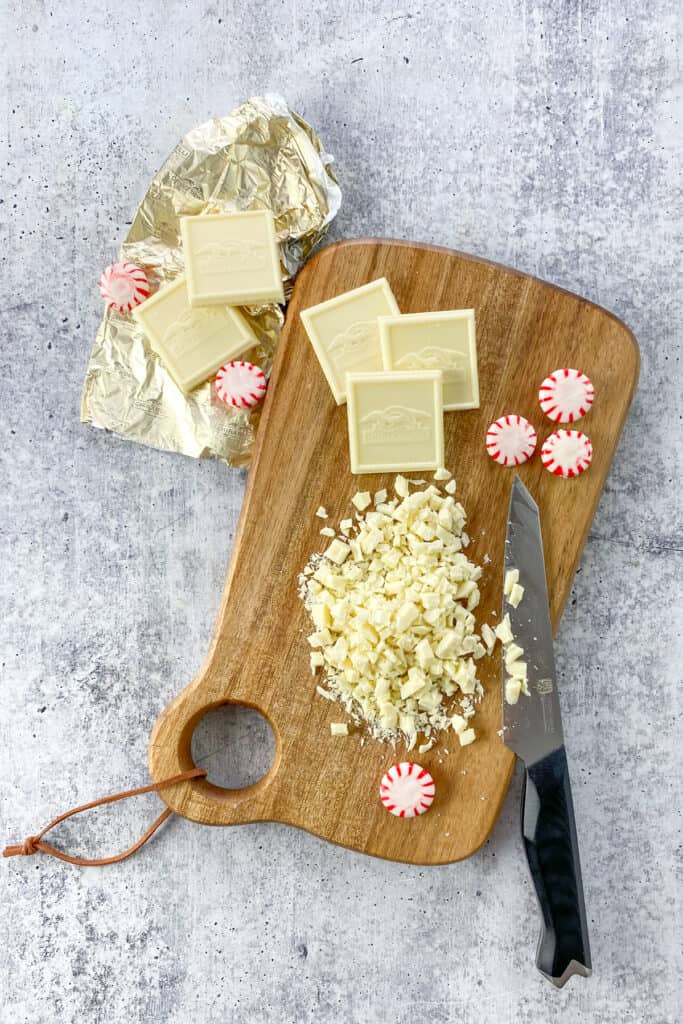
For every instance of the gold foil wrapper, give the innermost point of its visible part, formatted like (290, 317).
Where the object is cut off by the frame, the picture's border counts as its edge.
(261, 156)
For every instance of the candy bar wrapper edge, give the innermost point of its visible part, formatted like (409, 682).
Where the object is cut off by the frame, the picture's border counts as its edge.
(261, 156)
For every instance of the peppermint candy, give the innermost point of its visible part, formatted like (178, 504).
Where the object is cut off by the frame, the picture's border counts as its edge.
(567, 453)
(511, 440)
(566, 395)
(407, 790)
(241, 385)
(124, 286)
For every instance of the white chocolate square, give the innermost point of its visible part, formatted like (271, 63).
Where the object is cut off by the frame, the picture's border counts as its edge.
(395, 421)
(443, 341)
(232, 259)
(192, 343)
(345, 335)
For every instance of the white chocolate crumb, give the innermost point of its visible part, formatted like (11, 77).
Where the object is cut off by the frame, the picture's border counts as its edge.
(322, 512)
(339, 729)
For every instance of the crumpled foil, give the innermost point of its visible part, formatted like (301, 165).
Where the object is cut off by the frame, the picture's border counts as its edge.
(261, 156)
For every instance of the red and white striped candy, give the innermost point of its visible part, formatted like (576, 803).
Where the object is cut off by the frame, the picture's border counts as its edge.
(567, 453)
(566, 395)
(406, 790)
(240, 384)
(124, 286)
(511, 440)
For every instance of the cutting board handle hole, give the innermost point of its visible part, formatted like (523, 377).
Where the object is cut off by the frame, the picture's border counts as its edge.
(235, 744)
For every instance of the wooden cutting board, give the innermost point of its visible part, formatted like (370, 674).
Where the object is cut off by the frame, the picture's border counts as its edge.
(259, 656)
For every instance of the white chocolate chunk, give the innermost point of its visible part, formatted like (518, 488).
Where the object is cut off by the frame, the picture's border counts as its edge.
(406, 616)
(488, 636)
(338, 552)
(518, 669)
(322, 512)
(512, 690)
(466, 737)
(361, 500)
(504, 631)
(443, 474)
(511, 577)
(424, 653)
(512, 652)
(380, 497)
(344, 332)
(516, 595)
(447, 338)
(339, 729)
(327, 531)
(450, 489)
(401, 486)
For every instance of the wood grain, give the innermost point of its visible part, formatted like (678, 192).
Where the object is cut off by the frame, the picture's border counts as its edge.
(259, 656)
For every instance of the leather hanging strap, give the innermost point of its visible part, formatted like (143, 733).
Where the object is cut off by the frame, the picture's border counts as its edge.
(33, 844)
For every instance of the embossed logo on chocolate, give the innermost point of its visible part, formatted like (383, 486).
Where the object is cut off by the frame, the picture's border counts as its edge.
(396, 424)
(350, 347)
(453, 364)
(192, 329)
(220, 258)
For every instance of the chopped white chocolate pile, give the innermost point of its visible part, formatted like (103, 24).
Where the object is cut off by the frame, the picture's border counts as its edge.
(392, 605)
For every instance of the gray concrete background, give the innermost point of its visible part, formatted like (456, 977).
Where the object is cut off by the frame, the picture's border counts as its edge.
(546, 136)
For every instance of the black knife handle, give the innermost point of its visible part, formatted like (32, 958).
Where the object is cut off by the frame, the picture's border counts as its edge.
(549, 832)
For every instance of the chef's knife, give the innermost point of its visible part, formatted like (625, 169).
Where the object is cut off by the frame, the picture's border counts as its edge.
(532, 728)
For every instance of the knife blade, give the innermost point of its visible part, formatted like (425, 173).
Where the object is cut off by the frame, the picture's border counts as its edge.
(532, 728)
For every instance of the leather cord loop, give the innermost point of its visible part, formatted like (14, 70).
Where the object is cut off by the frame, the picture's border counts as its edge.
(33, 844)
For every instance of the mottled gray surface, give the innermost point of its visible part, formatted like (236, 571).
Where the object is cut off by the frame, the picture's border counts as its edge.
(543, 135)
